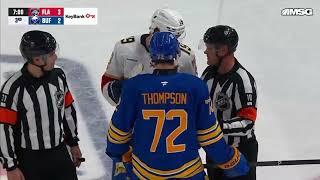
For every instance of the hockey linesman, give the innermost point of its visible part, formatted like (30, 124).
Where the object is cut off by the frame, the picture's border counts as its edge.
(234, 95)
(38, 117)
(171, 119)
(131, 55)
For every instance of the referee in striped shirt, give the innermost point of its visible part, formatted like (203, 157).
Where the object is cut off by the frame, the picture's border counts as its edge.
(234, 95)
(37, 116)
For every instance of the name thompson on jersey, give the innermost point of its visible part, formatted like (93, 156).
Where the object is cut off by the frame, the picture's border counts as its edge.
(131, 56)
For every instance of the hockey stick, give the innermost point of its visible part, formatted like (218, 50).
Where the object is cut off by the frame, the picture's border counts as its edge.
(288, 162)
(278, 163)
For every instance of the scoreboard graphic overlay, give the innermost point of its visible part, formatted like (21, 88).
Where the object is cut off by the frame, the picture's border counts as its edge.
(52, 16)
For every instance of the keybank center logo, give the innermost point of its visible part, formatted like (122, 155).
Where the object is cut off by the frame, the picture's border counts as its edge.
(297, 12)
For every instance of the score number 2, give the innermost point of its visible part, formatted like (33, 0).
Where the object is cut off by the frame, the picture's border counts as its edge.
(161, 116)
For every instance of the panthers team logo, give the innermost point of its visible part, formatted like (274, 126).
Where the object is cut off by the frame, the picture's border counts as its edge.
(35, 12)
(59, 96)
(222, 101)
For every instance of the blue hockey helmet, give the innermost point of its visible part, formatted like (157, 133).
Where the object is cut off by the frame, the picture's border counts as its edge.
(164, 47)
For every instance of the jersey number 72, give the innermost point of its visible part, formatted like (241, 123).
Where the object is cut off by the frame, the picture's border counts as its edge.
(161, 116)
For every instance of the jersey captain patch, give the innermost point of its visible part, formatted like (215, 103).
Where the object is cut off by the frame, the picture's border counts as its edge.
(222, 102)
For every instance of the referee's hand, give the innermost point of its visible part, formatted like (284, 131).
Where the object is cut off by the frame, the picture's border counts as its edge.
(15, 174)
(76, 155)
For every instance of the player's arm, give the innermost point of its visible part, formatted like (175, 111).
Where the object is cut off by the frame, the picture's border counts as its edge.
(120, 127)
(111, 81)
(245, 103)
(210, 138)
(111, 88)
(70, 123)
(188, 60)
(8, 119)
(120, 133)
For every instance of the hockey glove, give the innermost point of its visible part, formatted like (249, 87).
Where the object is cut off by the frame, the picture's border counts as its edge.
(114, 90)
(237, 166)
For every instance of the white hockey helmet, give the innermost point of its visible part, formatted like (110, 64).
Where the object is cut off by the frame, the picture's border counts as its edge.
(168, 20)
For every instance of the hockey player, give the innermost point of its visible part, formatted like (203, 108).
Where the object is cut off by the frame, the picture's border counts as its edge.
(37, 116)
(171, 118)
(131, 55)
(234, 94)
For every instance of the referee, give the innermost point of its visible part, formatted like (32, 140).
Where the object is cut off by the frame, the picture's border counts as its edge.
(234, 95)
(37, 116)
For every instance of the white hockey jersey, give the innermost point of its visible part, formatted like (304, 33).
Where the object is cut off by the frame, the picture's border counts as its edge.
(131, 57)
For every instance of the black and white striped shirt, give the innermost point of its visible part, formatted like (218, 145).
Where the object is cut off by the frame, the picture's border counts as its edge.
(35, 114)
(234, 97)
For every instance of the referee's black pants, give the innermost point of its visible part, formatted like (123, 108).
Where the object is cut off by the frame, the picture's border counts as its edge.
(250, 150)
(51, 164)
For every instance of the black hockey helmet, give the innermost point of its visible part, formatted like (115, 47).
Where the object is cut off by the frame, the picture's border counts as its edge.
(36, 43)
(222, 35)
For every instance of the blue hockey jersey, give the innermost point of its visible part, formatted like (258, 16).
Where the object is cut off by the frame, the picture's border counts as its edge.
(166, 117)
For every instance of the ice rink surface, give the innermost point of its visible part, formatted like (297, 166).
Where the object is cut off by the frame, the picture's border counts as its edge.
(280, 51)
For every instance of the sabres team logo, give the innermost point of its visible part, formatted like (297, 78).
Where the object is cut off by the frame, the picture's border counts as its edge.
(59, 96)
(222, 101)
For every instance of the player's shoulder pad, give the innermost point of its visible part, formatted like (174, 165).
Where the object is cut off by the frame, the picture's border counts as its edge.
(191, 78)
(196, 82)
(126, 44)
(127, 41)
(138, 78)
(134, 82)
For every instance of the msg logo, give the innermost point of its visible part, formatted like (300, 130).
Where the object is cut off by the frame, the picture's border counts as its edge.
(297, 12)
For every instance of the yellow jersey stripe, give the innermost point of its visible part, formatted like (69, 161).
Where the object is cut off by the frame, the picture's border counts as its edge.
(138, 174)
(182, 172)
(190, 171)
(118, 137)
(197, 171)
(143, 172)
(214, 140)
(166, 173)
(193, 170)
(116, 141)
(120, 132)
(210, 135)
(205, 131)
